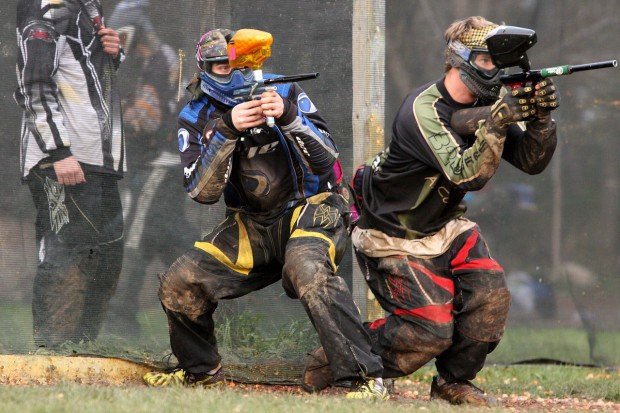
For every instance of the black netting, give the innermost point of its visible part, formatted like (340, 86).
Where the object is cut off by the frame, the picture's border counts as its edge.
(554, 233)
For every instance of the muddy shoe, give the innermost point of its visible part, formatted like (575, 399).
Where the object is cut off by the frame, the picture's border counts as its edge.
(461, 392)
(179, 377)
(372, 389)
(317, 373)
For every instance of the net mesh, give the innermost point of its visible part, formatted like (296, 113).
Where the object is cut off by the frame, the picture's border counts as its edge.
(553, 233)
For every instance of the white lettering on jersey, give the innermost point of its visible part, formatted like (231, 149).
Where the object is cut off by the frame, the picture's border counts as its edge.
(183, 137)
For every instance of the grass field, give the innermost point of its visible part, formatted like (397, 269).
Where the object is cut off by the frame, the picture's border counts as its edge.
(535, 388)
(520, 387)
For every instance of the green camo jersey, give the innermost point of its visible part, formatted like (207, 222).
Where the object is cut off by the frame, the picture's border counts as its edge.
(417, 184)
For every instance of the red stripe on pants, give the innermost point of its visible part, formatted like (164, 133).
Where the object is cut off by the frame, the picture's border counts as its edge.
(441, 313)
(444, 283)
(377, 323)
(480, 264)
(462, 261)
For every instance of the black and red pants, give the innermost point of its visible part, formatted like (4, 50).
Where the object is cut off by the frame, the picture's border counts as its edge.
(452, 307)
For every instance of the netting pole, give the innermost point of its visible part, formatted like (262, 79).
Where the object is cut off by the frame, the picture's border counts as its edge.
(368, 118)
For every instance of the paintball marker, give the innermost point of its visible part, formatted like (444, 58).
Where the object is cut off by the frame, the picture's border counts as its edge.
(507, 47)
(249, 48)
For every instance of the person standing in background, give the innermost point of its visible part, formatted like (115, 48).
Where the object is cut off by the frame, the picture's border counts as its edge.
(72, 157)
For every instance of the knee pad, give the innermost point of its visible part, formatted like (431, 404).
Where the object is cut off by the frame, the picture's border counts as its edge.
(179, 291)
(484, 315)
(413, 346)
(301, 275)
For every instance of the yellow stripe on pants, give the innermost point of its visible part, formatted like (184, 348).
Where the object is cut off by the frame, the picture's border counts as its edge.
(300, 233)
(245, 260)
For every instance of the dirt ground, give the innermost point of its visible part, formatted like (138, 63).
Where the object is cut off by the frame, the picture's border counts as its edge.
(406, 391)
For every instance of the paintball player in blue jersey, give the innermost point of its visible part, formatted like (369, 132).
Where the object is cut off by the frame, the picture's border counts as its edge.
(286, 221)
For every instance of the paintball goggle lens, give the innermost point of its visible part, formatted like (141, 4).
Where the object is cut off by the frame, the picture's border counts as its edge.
(479, 59)
(225, 79)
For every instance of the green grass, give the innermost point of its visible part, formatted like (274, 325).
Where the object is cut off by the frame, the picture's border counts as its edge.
(531, 382)
(16, 332)
(566, 344)
(540, 381)
(71, 398)
(245, 338)
(248, 335)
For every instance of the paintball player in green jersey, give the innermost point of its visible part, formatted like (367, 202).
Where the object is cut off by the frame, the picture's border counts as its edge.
(427, 265)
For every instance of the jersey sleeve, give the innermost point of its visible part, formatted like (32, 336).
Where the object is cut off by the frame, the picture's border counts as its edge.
(37, 93)
(303, 125)
(530, 150)
(206, 154)
(468, 167)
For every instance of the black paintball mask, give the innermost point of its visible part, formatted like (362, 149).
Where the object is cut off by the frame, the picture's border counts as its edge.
(482, 81)
(508, 46)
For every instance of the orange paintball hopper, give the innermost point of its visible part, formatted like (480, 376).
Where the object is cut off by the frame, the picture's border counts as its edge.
(249, 48)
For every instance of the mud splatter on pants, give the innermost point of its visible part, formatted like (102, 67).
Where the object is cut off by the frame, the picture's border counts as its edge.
(79, 232)
(301, 248)
(452, 307)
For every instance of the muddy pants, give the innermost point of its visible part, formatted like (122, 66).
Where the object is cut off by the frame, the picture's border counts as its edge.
(452, 307)
(302, 248)
(79, 232)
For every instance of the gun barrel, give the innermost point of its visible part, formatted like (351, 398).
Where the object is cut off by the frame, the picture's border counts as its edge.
(291, 79)
(592, 66)
(522, 77)
(568, 69)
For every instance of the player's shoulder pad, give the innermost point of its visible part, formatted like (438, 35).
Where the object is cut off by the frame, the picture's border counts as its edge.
(191, 111)
(40, 30)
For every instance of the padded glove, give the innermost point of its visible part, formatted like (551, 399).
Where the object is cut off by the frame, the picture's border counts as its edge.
(547, 97)
(515, 106)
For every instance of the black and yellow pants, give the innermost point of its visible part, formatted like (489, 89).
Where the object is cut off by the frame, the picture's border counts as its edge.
(302, 248)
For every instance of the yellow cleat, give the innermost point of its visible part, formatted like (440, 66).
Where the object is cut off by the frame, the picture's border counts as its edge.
(163, 379)
(179, 377)
(369, 390)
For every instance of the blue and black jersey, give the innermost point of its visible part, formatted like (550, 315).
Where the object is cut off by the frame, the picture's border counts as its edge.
(264, 171)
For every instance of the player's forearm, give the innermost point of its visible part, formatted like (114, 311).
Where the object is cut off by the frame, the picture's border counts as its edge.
(206, 178)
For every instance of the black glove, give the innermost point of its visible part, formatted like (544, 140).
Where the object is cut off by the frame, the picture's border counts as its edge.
(517, 105)
(547, 97)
